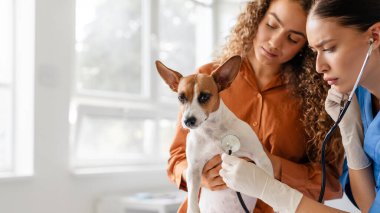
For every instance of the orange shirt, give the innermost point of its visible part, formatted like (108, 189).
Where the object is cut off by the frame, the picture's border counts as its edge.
(274, 114)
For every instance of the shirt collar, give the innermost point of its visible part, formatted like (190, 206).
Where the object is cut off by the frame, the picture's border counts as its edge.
(249, 74)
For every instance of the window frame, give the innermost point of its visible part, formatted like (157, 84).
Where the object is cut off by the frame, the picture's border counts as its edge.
(21, 87)
(149, 103)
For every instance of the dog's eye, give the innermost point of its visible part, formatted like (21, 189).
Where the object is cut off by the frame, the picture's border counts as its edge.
(204, 97)
(182, 98)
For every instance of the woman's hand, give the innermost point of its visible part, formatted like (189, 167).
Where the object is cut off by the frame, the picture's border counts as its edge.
(333, 106)
(211, 178)
(210, 174)
(350, 127)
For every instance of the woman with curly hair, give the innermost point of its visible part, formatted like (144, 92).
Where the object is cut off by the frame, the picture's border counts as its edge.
(279, 94)
(343, 34)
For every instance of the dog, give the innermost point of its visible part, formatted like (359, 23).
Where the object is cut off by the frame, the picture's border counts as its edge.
(209, 121)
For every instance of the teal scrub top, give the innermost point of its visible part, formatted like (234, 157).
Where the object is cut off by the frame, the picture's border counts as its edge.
(371, 126)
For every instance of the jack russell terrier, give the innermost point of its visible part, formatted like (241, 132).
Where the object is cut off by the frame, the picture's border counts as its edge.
(209, 121)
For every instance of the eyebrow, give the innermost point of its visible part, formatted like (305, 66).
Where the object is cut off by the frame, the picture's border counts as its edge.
(320, 44)
(292, 31)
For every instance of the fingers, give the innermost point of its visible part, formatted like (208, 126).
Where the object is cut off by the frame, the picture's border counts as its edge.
(231, 163)
(335, 96)
(217, 184)
(228, 164)
(224, 174)
(332, 103)
(212, 163)
(212, 180)
(333, 106)
(212, 173)
(220, 172)
(220, 187)
(229, 159)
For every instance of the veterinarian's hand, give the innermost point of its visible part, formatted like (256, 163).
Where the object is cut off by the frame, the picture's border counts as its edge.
(210, 174)
(350, 127)
(249, 179)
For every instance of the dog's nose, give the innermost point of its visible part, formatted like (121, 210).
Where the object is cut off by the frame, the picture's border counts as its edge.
(190, 122)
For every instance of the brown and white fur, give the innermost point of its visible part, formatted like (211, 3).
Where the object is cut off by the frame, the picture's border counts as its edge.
(209, 120)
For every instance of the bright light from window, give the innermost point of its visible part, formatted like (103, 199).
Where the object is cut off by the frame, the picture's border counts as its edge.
(6, 42)
(6, 60)
(108, 45)
(116, 44)
(16, 87)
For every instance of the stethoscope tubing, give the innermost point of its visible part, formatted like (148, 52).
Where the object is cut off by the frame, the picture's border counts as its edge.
(340, 116)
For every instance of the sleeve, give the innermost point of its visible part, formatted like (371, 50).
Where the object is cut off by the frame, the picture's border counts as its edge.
(376, 204)
(177, 161)
(307, 178)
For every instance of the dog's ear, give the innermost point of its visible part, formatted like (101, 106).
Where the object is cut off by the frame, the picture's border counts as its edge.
(227, 72)
(170, 76)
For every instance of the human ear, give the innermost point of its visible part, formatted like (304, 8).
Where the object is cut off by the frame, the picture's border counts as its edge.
(374, 33)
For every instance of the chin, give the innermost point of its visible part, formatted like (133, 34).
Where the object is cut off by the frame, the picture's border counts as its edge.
(340, 89)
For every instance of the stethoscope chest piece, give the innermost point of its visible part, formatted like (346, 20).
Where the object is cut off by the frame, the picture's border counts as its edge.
(230, 143)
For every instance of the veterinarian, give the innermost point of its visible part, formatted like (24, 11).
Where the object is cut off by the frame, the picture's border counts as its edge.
(279, 94)
(341, 32)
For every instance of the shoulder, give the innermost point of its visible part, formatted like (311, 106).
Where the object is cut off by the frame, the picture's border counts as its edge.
(364, 97)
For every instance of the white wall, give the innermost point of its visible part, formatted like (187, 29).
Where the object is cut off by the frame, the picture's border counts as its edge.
(53, 189)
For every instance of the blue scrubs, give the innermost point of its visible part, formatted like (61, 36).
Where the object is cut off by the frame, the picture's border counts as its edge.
(371, 124)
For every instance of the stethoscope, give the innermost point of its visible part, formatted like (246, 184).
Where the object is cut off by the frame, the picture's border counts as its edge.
(341, 114)
(231, 143)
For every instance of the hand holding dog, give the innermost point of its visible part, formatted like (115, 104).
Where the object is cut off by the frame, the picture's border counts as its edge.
(350, 128)
(211, 178)
(210, 174)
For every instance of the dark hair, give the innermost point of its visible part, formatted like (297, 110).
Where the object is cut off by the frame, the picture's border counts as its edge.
(349, 13)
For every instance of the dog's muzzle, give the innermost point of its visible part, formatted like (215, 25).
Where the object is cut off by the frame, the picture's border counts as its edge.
(190, 122)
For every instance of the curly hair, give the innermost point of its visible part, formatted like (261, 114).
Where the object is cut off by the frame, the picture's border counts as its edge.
(304, 82)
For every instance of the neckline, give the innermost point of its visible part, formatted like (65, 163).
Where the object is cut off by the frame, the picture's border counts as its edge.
(276, 81)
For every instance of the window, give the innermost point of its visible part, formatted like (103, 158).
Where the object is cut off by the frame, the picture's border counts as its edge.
(122, 114)
(16, 87)
(6, 65)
